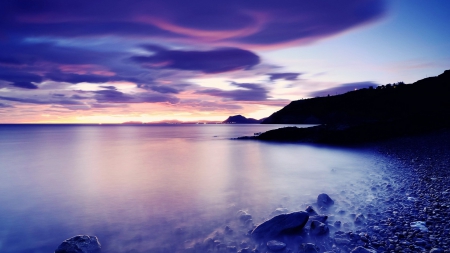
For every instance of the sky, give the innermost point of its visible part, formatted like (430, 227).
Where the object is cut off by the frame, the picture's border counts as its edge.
(114, 61)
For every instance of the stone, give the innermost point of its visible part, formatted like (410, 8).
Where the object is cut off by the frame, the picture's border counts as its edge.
(361, 249)
(309, 248)
(310, 210)
(342, 241)
(318, 228)
(337, 224)
(359, 219)
(323, 200)
(244, 216)
(275, 245)
(281, 223)
(80, 244)
(320, 218)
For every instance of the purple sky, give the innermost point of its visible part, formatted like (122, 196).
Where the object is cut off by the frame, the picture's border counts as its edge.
(112, 61)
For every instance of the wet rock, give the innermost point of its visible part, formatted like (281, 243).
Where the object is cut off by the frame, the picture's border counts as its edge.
(360, 219)
(360, 249)
(244, 216)
(337, 224)
(323, 200)
(281, 223)
(310, 210)
(80, 244)
(309, 248)
(275, 245)
(318, 228)
(320, 218)
(420, 225)
(228, 230)
(341, 241)
(231, 249)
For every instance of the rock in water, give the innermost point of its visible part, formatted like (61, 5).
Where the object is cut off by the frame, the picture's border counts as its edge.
(276, 245)
(280, 223)
(359, 219)
(318, 228)
(323, 200)
(321, 218)
(80, 244)
(363, 250)
(310, 210)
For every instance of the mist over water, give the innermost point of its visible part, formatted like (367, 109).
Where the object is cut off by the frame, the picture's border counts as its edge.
(150, 188)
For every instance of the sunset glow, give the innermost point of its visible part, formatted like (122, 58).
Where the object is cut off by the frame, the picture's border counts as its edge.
(80, 62)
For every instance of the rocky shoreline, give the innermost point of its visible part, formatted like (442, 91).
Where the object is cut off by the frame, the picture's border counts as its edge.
(408, 211)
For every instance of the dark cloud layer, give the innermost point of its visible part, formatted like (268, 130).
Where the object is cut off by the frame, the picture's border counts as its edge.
(213, 61)
(284, 76)
(343, 88)
(263, 22)
(249, 92)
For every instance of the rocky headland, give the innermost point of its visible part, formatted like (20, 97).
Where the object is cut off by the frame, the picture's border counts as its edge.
(366, 115)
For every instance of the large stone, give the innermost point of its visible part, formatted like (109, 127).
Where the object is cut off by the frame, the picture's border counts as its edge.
(360, 249)
(323, 200)
(281, 223)
(80, 244)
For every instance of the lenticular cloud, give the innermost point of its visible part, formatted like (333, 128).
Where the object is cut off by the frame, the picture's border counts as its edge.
(244, 23)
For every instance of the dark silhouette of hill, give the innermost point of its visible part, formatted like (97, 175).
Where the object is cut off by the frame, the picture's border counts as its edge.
(367, 114)
(427, 98)
(239, 119)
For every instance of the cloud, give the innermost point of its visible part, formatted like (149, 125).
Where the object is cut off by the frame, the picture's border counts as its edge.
(25, 85)
(19, 79)
(343, 88)
(263, 22)
(42, 102)
(284, 76)
(76, 78)
(164, 89)
(249, 92)
(5, 106)
(110, 87)
(209, 105)
(114, 96)
(212, 61)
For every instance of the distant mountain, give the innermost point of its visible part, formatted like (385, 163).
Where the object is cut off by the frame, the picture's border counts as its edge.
(366, 115)
(239, 119)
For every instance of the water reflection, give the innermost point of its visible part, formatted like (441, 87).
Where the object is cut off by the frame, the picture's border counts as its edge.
(141, 188)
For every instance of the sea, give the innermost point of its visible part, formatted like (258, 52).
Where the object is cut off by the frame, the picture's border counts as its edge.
(162, 188)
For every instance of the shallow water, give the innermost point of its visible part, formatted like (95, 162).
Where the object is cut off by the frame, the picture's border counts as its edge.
(157, 188)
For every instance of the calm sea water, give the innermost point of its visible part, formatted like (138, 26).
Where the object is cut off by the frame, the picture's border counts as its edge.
(157, 188)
